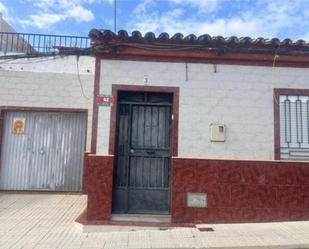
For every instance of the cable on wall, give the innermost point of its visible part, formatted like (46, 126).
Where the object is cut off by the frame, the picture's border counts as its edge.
(276, 56)
(79, 79)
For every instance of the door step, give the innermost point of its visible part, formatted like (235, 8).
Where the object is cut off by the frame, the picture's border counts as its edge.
(128, 222)
(151, 218)
(115, 227)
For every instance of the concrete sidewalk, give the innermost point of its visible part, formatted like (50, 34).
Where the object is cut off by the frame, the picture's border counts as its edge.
(47, 221)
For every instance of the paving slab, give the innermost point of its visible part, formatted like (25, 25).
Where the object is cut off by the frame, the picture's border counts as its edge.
(47, 221)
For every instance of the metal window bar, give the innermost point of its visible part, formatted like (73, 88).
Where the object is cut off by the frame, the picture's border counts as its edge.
(30, 44)
(307, 105)
(287, 119)
(295, 127)
(299, 121)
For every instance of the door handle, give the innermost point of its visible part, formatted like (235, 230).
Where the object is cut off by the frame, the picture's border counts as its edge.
(151, 152)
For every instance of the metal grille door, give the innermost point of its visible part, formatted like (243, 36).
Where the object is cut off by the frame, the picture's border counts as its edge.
(142, 176)
(48, 155)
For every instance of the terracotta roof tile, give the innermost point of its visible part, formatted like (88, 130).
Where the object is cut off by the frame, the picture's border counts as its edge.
(101, 36)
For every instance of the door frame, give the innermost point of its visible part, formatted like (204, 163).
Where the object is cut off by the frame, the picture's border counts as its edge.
(174, 131)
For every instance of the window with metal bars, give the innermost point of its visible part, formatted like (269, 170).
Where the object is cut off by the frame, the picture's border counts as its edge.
(294, 127)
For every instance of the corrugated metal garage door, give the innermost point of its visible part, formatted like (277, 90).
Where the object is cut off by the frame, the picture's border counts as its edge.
(48, 155)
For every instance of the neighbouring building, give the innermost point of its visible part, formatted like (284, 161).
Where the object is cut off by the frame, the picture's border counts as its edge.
(46, 99)
(10, 43)
(199, 129)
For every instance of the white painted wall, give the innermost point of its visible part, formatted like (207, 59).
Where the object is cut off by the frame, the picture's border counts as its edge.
(49, 82)
(241, 97)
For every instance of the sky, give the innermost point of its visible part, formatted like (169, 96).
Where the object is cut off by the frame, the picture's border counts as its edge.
(254, 18)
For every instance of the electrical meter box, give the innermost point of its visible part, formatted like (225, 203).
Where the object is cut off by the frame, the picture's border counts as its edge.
(217, 132)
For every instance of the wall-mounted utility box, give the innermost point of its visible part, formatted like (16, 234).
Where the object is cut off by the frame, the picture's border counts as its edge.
(196, 199)
(217, 132)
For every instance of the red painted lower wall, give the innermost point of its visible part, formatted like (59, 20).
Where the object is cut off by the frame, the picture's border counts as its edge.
(240, 191)
(98, 184)
(237, 191)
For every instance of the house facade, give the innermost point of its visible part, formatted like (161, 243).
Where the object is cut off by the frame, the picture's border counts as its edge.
(202, 129)
(191, 129)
